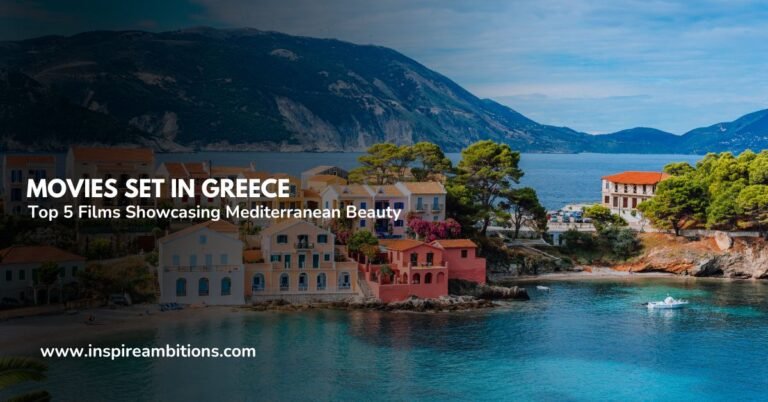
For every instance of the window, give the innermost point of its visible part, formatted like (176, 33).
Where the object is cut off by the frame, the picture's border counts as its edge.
(326, 205)
(303, 282)
(287, 262)
(15, 194)
(284, 282)
(15, 176)
(321, 281)
(363, 205)
(430, 258)
(464, 253)
(416, 279)
(362, 223)
(414, 259)
(419, 204)
(435, 203)
(23, 274)
(322, 238)
(315, 260)
(327, 257)
(193, 260)
(202, 287)
(434, 218)
(344, 281)
(203, 239)
(9, 275)
(282, 239)
(399, 223)
(226, 286)
(176, 261)
(181, 287)
(399, 205)
(428, 277)
(607, 199)
(258, 283)
(274, 258)
(224, 259)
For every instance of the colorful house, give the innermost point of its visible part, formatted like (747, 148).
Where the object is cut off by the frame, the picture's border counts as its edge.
(299, 264)
(462, 260)
(197, 171)
(18, 266)
(17, 169)
(389, 196)
(417, 269)
(425, 199)
(202, 264)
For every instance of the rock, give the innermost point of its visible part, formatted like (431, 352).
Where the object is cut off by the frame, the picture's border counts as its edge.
(710, 267)
(723, 240)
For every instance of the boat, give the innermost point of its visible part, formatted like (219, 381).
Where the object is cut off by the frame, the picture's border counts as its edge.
(668, 303)
(545, 288)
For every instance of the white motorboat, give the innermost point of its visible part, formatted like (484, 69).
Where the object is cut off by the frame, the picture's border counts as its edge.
(668, 303)
(544, 288)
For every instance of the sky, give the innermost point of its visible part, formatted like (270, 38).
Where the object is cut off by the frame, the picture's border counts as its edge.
(594, 66)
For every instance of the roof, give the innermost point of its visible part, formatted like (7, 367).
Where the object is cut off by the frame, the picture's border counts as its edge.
(310, 193)
(351, 190)
(36, 254)
(280, 226)
(636, 177)
(187, 169)
(256, 175)
(455, 243)
(113, 154)
(24, 160)
(423, 187)
(386, 191)
(401, 244)
(328, 178)
(228, 170)
(252, 255)
(220, 226)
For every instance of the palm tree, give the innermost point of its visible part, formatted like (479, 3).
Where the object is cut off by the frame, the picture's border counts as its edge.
(15, 370)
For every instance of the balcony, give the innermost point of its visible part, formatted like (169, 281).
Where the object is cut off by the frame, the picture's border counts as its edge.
(419, 208)
(303, 245)
(202, 268)
(437, 207)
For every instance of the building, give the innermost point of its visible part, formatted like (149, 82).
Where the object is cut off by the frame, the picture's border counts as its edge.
(389, 196)
(425, 199)
(340, 196)
(111, 163)
(462, 260)
(299, 263)
(17, 169)
(623, 192)
(197, 171)
(18, 271)
(323, 174)
(202, 264)
(416, 269)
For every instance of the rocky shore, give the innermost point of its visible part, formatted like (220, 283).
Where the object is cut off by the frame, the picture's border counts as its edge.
(719, 256)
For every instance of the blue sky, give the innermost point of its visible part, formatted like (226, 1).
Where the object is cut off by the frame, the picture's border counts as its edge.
(595, 66)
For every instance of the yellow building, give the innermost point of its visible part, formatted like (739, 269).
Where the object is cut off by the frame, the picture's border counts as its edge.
(299, 264)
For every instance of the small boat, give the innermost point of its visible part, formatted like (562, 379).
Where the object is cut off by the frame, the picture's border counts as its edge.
(544, 288)
(668, 303)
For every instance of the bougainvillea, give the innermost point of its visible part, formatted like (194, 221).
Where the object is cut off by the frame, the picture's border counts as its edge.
(429, 231)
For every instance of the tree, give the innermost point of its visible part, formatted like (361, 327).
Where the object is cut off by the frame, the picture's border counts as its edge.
(678, 200)
(678, 168)
(758, 169)
(46, 276)
(486, 172)
(359, 239)
(383, 163)
(752, 202)
(525, 209)
(433, 161)
(129, 275)
(602, 217)
(17, 370)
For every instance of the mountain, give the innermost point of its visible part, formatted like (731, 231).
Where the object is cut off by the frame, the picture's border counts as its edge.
(247, 89)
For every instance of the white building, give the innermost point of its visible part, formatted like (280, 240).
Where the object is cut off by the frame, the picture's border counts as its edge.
(17, 170)
(18, 266)
(426, 199)
(202, 264)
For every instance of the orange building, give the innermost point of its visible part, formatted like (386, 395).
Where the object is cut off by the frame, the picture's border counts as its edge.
(462, 260)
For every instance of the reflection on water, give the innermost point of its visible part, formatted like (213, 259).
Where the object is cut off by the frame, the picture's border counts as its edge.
(580, 341)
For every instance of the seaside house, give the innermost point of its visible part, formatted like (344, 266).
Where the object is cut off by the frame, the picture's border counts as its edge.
(298, 262)
(340, 196)
(389, 196)
(415, 269)
(19, 267)
(319, 176)
(425, 199)
(623, 192)
(462, 260)
(295, 200)
(197, 171)
(17, 169)
(202, 264)
(111, 162)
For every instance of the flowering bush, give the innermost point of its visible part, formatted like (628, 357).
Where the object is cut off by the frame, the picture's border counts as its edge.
(429, 231)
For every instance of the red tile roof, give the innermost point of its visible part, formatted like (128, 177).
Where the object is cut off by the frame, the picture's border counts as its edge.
(108, 154)
(401, 244)
(636, 177)
(24, 160)
(455, 243)
(36, 254)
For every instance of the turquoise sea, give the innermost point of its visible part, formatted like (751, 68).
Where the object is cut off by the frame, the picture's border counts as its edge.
(585, 340)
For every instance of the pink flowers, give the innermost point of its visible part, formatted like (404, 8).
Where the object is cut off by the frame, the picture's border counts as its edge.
(429, 231)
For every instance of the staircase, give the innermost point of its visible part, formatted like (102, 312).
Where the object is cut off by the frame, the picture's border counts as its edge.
(365, 290)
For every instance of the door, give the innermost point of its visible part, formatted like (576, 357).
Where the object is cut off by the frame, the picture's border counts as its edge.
(315, 260)
(302, 261)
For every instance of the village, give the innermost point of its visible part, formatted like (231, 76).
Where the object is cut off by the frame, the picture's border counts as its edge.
(252, 258)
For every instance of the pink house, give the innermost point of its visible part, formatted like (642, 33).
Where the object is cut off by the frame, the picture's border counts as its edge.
(461, 256)
(418, 269)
